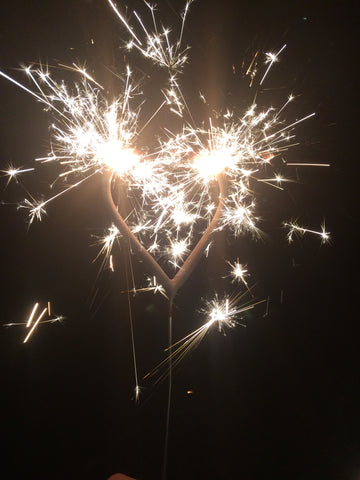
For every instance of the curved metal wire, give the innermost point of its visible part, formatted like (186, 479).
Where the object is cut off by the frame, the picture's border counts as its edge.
(171, 285)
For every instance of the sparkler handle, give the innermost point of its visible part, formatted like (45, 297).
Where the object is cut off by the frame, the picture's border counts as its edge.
(171, 285)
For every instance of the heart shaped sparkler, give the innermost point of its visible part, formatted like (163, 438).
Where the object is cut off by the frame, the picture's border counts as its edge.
(171, 285)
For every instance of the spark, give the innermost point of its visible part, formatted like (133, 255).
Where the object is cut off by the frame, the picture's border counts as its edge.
(155, 286)
(152, 286)
(137, 392)
(223, 314)
(113, 6)
(32, 314)
(279, 179)
(308, 164)
(12, 172)
(271, 58)
(108, 240)
(294, 228)
(238, 273)
(83, 72)
(39, 321)
(156, 45)
(58, 318)
(248, 71)
(178, 250)
(35, 325)
(207, 249)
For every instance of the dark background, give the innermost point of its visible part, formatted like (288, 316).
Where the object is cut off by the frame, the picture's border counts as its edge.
(277, 400)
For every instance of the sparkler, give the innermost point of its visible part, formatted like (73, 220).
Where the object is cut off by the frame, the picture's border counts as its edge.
(296, 229)
(169, 200)
(198, 180)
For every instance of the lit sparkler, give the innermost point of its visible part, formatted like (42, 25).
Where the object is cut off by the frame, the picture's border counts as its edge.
(176, 184)
(196, 181)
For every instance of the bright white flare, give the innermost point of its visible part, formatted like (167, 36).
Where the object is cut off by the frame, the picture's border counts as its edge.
(117, 158)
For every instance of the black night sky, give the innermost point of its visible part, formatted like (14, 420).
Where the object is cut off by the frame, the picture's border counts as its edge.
(276, 400)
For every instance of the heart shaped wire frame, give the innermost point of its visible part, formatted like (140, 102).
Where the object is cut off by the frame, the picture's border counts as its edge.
(171, 285)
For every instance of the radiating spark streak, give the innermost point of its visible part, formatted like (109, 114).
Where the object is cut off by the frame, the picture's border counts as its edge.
(268, 182)
(308, 164)
(158, 47)
(107, 241)
(207, 249)
(35, 325)
(126, 25)
(294, 228)
(137, 391)
(13, 172)
(49, 309)
(38, 210)
(288, 126)
(31, 76)
(51, 158)
(111, 263)
(186, 10)
(176, 112)
(153, 286)
(33, 311)
(238, 273)
(18, 84)
(252, 63)
(152, 117)
(83, 72)
(290, 99)
(142, 24)
(271, 59)
(59, 318)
